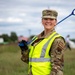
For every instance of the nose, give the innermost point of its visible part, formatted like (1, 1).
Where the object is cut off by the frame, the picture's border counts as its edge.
(48, 20)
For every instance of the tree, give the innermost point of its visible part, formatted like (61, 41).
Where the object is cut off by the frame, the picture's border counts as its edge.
(13, 36)
(31, 36)
(6, 38)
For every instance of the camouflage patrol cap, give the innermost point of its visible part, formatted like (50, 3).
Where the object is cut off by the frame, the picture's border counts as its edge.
(49, 14)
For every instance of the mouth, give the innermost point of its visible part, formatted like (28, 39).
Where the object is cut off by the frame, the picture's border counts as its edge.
(48, 24)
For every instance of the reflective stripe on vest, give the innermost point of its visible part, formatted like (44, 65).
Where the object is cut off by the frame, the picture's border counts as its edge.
(45, 46)
(39, 59)
(42, 58)
(33, 39)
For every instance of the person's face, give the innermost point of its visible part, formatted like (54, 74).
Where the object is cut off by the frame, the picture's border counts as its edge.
(49, 23)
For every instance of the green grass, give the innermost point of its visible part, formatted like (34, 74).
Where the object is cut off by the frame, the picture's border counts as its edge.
(69, 68)
(11, 64)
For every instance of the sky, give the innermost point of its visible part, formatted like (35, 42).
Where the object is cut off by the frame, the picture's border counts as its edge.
(24, 16)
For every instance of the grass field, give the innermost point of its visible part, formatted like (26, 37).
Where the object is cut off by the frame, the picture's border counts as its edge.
(11, 64)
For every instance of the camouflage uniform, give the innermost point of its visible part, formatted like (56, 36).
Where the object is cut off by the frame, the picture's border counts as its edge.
(56, 53)
(56, 50)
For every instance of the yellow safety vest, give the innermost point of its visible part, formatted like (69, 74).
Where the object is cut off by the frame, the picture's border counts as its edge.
(39, 58)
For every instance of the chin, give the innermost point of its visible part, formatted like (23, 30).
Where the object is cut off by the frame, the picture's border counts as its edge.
(48, 28)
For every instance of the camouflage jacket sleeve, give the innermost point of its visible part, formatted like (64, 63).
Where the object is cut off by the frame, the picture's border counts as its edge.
(25, 57)
(56, 52)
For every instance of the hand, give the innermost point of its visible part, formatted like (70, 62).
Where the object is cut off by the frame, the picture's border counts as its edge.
(23, 45)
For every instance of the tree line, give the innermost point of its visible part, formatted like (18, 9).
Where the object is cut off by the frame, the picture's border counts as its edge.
(12, 38)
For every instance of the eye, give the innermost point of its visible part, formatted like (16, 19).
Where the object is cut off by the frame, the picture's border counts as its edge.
(49, 19)
(45, 18)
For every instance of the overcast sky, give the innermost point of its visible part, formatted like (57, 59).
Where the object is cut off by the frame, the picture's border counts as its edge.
(24, 16)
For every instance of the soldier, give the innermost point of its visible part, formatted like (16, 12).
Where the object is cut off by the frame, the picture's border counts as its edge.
(45, 51)
(68, 42)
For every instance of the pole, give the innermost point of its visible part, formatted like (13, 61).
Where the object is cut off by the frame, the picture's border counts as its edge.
(73, 13)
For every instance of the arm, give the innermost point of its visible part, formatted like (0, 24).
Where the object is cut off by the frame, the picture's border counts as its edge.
(25, 55)
(24, 50)
(56, 53)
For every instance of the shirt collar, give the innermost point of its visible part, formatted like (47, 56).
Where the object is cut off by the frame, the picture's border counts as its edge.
(42, 35)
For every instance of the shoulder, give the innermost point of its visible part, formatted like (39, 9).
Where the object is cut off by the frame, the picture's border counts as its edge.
(59, 43)
(59, 39)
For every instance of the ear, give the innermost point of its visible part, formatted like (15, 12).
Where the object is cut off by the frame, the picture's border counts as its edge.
(42, 21)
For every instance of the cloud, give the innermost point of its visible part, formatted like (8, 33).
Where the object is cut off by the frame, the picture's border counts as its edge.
(11, 19)
(1, 20)
(22, 15)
